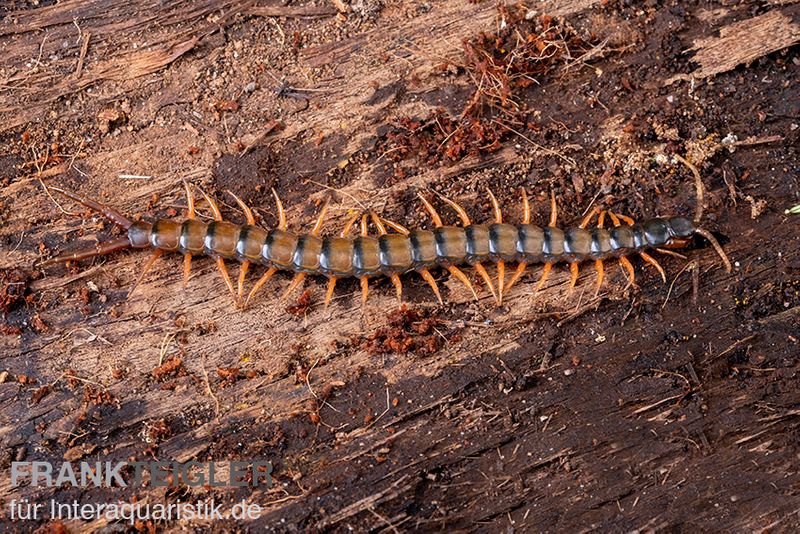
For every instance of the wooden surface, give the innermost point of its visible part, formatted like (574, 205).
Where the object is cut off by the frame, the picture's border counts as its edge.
(660, 407)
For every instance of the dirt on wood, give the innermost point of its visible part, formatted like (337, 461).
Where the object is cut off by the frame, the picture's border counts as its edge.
(645, 407)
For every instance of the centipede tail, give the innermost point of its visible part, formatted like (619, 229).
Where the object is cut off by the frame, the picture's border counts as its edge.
(392, 254)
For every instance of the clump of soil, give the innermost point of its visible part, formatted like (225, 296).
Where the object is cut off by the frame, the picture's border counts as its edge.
(409, 330)
(501, 65)
(13, 286)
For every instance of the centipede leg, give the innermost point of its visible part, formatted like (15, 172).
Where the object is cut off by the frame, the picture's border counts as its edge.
(223, 271)
(517, 275)
(598, 264)
(187, 268)
(458, 273)
(109, 213)
(147, 265)
(240, 282)
(486, 278)
(628, 267)
(501, 266)
(652, 261)
(545, 274)
(281, 211)
(329, 293)
(526, 219)
(574, 270)
(261, 281)
(398, 285)
(296, 281)
(364, 290)
(426, 274)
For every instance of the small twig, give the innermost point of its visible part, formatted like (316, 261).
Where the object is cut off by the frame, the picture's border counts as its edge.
(82, 56)
(134, 177)
(208, 388)
(691, 264)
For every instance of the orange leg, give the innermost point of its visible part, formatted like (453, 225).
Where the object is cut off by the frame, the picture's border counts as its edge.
(501, 266)
(329, 293)
(261, 281)
(628, 267)
(398, 284)
(223, 270)
(364, 290)
(187, 268)
(147, 265)
(462, 213)
(296, 281)
(526, 219)
(190, 214)
(281, 212)
(598, 264)
(574, 271)
(517, 275)
(437, 220)
(486, 278)
(251, 220)
(652, 261)
(426, 274)
(543, 279)
(458, 273)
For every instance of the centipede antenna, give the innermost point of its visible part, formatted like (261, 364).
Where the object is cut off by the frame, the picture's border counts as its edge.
(437, 220)
(553, 210)
(187, 268)
(349, 224)
(98, 250)
(296, 281)
(248, 213)
(526, 207)
(111, 214)
(213, 205)
(462, 213)
(147, 265)
(487, 279)
(261, 281)
(190, 212)
(329, 292)
(281, 212)
(398, 285)
(458, 273)
(426, 274)
(320, 219)
(714, 243)
(397, 227)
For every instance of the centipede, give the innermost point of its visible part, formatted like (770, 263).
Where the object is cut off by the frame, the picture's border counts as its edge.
(392, 250)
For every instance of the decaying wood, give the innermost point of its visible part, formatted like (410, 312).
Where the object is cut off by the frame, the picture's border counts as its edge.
(741, 42)
(634, 409)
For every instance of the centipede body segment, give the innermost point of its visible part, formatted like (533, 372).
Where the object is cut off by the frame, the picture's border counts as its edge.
(394, 254)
